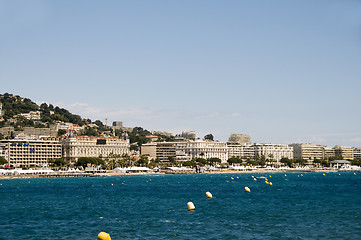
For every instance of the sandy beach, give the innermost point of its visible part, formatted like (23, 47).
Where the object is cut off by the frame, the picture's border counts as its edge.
(256, 171)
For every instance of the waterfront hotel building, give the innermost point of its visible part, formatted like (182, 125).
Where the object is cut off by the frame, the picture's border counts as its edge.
(26, 153)
(86, 146)
(186, 150)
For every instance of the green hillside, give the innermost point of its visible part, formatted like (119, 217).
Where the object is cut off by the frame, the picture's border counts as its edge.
(14, 105)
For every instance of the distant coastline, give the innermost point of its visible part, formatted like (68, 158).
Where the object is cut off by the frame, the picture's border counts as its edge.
(108, 174)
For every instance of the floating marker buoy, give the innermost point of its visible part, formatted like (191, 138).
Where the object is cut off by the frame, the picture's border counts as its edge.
(266, 182)
(301, 175)
(270, 176)
(104, 236)
(247, 189)
(285, 175)
(324, 174)
(270, 183)
(209, 195)
(237, 177)
(190, 206)
(150, 180)
(232, 178)
(354, 173)
(112, 184)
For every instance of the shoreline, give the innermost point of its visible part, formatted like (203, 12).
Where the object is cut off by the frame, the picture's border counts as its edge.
(70, 175)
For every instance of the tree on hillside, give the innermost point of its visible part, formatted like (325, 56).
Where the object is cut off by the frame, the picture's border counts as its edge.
(89, 131)
(3, 161)
(138, 135)
(61, 132)
(209, 137)
(99, 123)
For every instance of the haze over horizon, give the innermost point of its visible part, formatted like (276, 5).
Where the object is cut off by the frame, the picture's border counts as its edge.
(279, 71)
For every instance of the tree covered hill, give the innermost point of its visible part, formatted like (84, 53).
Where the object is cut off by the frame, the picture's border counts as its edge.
(15, 105)
(12, 106)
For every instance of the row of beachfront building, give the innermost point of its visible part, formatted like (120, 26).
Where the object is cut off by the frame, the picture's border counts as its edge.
(24, 152)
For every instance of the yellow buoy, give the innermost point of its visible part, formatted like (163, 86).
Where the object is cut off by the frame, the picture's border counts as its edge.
(112, 184)
(285, 175)
(104, 236)
(354, 173)
(237, 177)
(301, 175)
(190, 206)
(232, 178)
(324, 174)
(247, 189)
(266, 182)
(270, 183)
(209, 195)
(270, 176)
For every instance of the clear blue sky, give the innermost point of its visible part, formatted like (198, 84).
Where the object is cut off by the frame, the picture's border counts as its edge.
(280, 71)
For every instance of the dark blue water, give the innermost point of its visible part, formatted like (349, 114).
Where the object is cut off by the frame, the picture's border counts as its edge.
(311, 206)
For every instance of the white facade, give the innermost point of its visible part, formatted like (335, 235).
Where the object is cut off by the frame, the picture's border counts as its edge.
(66, 126)
(241, 151)
(344, 152)
(164, 150)
(25, 153)
(357, 153)
(207, 149)
(32, 115)
(307, 151)
(274, 152)
(84, 146)
(186, 150)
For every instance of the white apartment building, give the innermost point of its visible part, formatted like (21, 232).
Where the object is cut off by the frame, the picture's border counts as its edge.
(66, 126)
(328, 152)
(357, 153)
(241, 151)
(85, 146)
(32, 115)
(344, 152)
(164, 150)
(26, 153)
(207, 149)
(307, 151)
(273, 152)
(186, 150)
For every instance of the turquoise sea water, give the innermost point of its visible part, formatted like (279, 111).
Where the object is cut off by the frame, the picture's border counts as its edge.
(311, 206)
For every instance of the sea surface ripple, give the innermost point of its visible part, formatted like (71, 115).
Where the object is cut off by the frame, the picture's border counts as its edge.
(307, 206)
